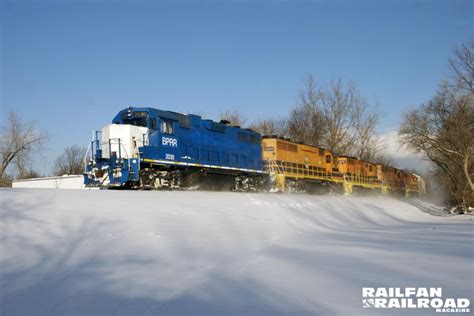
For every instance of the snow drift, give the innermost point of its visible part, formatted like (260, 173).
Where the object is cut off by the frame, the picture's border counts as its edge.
(202, 253)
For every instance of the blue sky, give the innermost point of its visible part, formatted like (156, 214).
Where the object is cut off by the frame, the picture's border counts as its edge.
(72, 65)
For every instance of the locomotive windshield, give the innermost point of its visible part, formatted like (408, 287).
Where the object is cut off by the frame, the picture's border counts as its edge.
(136, 118)
(136, 122)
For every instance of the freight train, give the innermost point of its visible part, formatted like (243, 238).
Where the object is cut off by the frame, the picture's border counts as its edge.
(146, 148)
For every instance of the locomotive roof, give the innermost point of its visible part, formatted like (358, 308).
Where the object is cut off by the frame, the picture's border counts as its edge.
(302, 143)
(173, 116)
(291, 141)
(161, 113)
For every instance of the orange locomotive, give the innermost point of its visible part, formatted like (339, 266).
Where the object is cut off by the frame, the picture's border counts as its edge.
(297, 166)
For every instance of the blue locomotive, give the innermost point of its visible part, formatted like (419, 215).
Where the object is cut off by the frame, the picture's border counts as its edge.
(150, 148)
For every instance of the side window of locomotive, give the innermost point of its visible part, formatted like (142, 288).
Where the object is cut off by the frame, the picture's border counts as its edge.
(153, 123)
(167, 127)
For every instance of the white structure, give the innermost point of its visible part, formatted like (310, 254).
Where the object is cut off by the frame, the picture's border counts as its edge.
(123, 139)
(62, 182)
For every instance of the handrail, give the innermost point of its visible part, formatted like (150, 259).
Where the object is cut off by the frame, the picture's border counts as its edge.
(84, 160)
(120, 144)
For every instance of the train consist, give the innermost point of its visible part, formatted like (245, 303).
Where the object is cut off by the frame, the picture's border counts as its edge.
(146, 148)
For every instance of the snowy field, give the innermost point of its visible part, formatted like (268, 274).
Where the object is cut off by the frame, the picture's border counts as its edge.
(79, 252)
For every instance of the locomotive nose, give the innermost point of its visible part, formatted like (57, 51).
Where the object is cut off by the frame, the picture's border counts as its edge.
(121, 141)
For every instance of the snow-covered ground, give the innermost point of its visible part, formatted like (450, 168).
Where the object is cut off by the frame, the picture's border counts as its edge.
(208, 253)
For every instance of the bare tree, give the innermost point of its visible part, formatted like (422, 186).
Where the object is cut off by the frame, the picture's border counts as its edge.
(18, 141)
(443, 130)
(384, 159)
(271, 126)
(336, 117)
(368, 144)
(462, 67)
(28, 174)
(70, 161)
(234, 118)
(306, 122)
(339, 101)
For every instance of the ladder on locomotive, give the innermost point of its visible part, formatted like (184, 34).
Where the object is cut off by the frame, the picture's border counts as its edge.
(274, 168)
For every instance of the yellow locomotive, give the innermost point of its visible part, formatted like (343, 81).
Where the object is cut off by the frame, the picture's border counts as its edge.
(297, 166)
